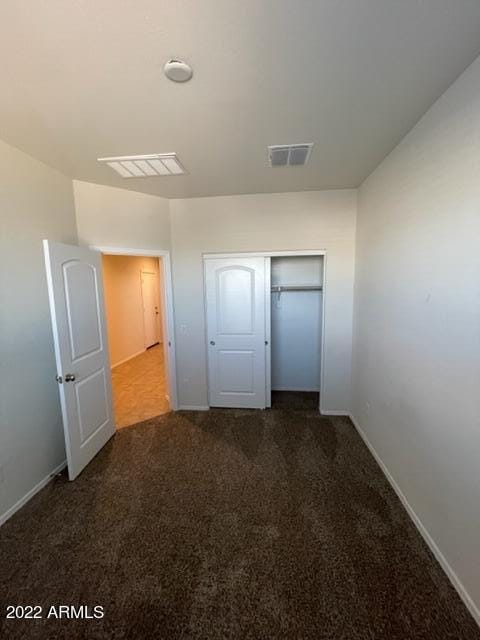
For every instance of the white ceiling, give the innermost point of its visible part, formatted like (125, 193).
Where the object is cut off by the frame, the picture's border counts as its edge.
(83, 78)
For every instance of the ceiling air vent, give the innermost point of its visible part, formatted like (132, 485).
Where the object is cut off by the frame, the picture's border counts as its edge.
(155, 164)
(289, 155)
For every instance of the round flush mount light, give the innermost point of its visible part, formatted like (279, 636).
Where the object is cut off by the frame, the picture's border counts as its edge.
(178, 70)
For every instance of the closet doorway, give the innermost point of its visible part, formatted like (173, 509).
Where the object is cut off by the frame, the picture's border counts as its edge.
(296, 301)
(264, 317)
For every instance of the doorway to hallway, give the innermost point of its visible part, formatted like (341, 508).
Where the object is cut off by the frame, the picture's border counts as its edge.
(83, 355)
(134, 291)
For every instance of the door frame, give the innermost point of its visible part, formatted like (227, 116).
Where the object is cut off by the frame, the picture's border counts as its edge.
(167, 294)
(267, 255)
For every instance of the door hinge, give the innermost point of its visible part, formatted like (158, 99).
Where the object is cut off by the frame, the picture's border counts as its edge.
(59, 379)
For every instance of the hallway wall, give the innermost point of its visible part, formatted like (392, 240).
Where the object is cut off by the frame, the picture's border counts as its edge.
(124, 304)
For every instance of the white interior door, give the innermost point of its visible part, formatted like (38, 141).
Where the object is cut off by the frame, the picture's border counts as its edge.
(75, 289)
(235, 290)
(151, 311)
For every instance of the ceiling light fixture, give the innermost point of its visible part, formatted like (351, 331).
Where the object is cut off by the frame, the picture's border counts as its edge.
(178, 70)
(155, 164)
(289, 155)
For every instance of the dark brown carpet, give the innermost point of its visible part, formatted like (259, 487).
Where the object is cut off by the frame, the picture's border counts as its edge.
(228, 524)
(295, 400)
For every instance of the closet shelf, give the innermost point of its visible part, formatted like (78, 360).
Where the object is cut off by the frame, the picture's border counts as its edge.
(278, 288)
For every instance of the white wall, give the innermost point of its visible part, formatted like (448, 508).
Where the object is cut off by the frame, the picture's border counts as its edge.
(36, 202)
(107, 216)
(124, 304)
(265, 222)
(296, 324)
(416, 373)
(293, 270)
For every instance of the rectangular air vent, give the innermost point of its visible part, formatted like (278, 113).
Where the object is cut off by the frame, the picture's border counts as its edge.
(155, 164)
(289, 155)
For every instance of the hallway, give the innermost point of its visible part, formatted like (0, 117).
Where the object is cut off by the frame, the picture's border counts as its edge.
(140, 387)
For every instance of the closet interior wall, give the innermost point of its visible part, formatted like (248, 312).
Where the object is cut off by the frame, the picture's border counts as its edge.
(296, 323)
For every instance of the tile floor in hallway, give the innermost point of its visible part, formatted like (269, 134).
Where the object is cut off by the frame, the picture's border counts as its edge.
(139, 388)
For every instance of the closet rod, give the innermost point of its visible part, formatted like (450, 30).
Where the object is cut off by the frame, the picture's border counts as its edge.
(294, 287)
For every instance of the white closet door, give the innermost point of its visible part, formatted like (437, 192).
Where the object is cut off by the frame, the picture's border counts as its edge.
(235, 289)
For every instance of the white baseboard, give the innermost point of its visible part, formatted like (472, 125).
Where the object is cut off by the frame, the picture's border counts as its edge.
(339, 412)
(452, 576)
(9, 513)
(193, 407)
(117, 364)
(294, 389)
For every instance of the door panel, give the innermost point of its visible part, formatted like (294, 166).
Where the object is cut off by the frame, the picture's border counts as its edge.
(235, 289)
(75, 289)
(83, 314)
(92, 407)
(236, 371)
(235, 300)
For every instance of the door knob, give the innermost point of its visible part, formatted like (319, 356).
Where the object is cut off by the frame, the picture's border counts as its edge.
(212, 342)
(70, 377)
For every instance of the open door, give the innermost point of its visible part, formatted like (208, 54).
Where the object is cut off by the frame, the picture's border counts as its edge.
(235, 289)
(75, 290)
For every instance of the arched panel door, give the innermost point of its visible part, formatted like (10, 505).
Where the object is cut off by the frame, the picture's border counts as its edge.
(75, 288)
(235, 289)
